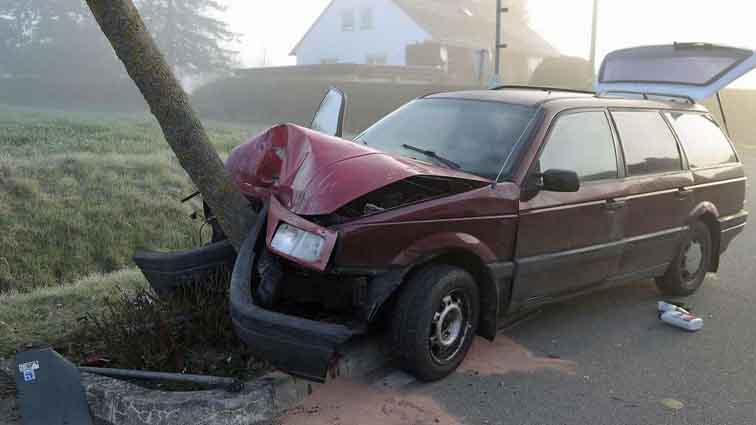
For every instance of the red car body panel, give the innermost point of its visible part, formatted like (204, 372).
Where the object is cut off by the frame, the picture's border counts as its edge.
(315, 174)
(481, 222)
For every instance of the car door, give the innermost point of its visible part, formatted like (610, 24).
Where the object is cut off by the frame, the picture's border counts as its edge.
(570, 241)
(658, 200)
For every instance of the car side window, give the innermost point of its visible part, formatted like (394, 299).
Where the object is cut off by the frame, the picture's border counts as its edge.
(649, 145)
(702, 139)
(581, 142)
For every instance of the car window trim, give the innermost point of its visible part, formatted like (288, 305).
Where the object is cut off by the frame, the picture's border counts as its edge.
(572, 111)
(680, 152)
(528, 133)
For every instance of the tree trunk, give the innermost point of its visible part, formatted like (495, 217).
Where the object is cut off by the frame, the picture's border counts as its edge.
(123, 26)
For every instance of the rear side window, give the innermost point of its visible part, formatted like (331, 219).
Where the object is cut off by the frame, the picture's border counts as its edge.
(702, 139)
(649, 145)
(581, 142)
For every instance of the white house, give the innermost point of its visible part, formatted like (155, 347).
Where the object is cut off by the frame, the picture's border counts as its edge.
(379, 32)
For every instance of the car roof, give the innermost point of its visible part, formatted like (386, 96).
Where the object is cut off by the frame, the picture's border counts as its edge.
(565, 99)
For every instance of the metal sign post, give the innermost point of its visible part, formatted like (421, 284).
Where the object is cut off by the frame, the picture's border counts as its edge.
(496, 79)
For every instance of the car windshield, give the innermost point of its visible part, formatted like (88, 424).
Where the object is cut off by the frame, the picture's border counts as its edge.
(470, 135)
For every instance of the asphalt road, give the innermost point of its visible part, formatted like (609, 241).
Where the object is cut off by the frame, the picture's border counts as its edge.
(600, 359)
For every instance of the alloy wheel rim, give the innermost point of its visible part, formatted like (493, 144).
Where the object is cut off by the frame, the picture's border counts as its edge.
(450, 327)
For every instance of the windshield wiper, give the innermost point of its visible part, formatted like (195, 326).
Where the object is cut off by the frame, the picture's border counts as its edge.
(431, 154)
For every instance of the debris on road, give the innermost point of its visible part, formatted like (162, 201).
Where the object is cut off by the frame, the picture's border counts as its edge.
(672, 404)
(676, 315)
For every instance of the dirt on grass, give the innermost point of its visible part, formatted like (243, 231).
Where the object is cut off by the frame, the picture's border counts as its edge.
(188, 332)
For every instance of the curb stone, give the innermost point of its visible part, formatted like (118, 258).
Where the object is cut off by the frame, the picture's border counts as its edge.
(115, 402)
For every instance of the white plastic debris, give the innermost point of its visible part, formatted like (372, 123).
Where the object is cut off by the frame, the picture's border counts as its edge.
(665, 307)
(679, 317)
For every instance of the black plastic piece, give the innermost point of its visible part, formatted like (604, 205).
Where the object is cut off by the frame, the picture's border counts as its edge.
(166, 271)
(49, 390)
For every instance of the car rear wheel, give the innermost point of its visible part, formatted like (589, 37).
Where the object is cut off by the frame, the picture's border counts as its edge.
(689, 267)
(435, 321)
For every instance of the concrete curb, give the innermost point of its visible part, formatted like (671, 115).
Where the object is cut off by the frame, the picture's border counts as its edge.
(117, 402)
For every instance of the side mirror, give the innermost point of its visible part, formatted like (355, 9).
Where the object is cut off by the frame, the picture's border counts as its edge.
(329, 118)
(560, 181)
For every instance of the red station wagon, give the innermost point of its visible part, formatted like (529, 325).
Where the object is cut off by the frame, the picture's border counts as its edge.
(460, 210)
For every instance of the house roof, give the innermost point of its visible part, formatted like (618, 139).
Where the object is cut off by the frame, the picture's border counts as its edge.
(466, 23)
(472, 23)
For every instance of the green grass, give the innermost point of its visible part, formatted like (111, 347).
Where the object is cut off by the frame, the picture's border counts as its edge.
(80, 192)
(49, 315)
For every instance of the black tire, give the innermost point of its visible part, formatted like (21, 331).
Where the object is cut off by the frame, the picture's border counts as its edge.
(683, 277)
(438, 293)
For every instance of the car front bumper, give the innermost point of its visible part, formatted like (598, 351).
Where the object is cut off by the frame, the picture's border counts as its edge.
(299, 346)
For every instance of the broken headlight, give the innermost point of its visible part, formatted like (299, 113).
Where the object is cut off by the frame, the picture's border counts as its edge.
(297, 243)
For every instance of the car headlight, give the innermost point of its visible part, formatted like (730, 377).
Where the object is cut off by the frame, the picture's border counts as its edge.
(297, 243)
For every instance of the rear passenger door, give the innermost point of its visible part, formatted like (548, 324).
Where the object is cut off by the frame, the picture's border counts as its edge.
(657, 198)
(570, 241)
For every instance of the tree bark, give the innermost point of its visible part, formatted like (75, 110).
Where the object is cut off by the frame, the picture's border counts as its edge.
(169, 103)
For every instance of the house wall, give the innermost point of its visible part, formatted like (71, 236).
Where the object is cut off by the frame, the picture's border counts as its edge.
(392, 31)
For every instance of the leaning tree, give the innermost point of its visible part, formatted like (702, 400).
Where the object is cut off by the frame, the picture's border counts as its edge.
(169, 103)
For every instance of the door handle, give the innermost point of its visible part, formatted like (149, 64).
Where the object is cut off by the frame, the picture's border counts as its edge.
(614, 205)
(683, 193)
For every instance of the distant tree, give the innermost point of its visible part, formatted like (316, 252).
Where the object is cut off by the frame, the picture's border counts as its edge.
(189, 37)
(564, 72)
(122, 24)
(60, 39)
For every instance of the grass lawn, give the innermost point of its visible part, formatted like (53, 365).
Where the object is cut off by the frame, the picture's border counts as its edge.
(79, 193)
(50, 315)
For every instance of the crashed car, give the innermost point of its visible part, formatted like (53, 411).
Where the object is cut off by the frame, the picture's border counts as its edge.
(461, 210)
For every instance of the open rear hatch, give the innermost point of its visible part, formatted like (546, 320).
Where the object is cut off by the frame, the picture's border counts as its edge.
(694, 71)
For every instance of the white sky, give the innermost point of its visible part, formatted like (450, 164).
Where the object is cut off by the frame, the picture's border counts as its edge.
(277, 25)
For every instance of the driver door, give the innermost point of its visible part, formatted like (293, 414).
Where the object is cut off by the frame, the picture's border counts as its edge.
(567, 242)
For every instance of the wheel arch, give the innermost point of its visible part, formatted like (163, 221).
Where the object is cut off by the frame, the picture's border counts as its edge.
(489, 293)
(708, 213)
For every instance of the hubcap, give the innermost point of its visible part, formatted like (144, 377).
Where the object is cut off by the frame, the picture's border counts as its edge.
(449, 327)
(692, 259)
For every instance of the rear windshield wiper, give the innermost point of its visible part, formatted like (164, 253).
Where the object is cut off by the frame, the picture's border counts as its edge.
(431, 154)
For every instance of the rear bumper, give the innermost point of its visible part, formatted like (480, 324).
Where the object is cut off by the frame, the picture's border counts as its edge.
(731, 226)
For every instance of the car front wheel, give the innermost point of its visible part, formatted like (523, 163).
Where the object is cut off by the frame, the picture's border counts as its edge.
(689, 267)
(435, 321)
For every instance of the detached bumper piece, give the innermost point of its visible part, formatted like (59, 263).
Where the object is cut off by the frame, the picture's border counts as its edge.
(170, 270)
(299, 346)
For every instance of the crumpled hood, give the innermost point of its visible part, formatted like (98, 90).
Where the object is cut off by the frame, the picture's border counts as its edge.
(315, 174)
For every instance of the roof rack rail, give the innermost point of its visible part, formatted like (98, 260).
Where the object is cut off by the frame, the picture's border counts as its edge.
(647, 96)
(541, 88)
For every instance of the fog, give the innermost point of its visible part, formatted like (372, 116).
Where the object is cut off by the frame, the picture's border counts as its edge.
(239, 57)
